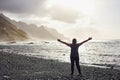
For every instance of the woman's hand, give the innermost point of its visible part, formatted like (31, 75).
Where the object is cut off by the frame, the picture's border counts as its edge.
(89, 38)
(58, 40)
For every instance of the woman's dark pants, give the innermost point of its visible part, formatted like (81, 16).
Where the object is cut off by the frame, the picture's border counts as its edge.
(76, 60)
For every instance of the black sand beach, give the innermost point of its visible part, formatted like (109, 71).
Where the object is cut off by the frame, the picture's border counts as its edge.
(20, 67)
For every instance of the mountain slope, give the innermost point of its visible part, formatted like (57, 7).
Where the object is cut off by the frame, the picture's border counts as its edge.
(55, 33)
(41, 32)
(34, 31)
(9, 32)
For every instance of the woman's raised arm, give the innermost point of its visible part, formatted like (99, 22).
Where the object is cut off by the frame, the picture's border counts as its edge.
(85, 41)
(63, 42)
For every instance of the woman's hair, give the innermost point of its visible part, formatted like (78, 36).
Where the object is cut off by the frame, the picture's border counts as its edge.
(74, 41)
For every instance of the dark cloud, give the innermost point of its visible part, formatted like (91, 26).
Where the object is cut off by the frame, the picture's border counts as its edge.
(21, 6)
(26, 8)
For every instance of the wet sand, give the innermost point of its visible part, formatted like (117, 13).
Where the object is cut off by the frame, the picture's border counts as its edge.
(21, 67)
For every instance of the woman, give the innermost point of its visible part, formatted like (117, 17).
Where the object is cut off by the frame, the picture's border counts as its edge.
(74, 55)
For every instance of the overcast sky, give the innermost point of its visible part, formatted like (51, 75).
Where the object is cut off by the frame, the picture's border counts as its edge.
(96, 15)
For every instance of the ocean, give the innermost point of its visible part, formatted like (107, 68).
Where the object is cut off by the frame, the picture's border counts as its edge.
(93, 53)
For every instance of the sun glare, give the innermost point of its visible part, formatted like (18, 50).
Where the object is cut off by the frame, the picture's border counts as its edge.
(84, 6)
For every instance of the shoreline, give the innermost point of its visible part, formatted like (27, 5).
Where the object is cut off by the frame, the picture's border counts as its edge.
(88, 58)
(21, 67)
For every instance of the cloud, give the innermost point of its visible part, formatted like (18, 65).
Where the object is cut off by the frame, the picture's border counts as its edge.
(26, 8)
(21, 6)
(64, 14)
